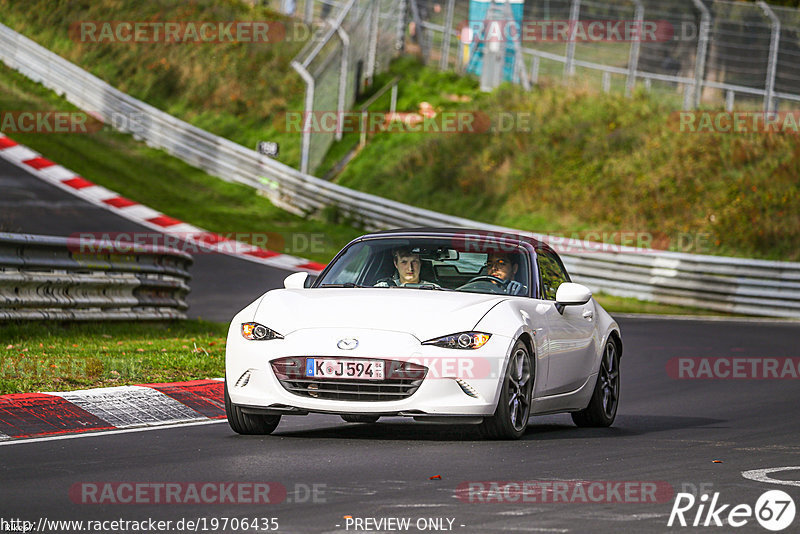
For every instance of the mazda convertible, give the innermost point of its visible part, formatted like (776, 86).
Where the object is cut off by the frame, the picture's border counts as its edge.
(440, 325)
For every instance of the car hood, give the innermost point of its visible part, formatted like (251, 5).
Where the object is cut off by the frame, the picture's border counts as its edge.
(425, 314)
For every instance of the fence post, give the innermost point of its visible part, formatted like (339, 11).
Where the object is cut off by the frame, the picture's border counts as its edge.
(400, 38)
(372, 53)
(309, 109)
(342, 80)
(535, 70)
(633, 60)
(702, 50)
(448, 28)
(308, 12)
(423, 44)
(688, 97)
(774, 43)
(574, 15)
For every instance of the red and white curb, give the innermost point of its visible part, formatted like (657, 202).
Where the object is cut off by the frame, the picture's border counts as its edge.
(30, 415)
(69, 181)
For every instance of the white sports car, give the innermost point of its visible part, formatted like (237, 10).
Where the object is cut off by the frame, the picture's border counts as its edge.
(442, 325)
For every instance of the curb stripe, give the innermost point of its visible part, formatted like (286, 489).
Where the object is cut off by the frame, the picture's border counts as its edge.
(119, 202)
(37, 414)
(77, 183)
(163, 220)
(67, 180)
(262, 253)
(312, 266)
(6, 142)
(38, 163)
(203, 396)
(26, 415)
(129, 406)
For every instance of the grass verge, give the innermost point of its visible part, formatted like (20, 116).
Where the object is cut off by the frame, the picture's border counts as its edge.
(589, 165)
(53, 356)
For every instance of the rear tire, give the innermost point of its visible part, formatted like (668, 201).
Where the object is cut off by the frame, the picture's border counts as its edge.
(248, 424)
(510, 419)
(602, 409)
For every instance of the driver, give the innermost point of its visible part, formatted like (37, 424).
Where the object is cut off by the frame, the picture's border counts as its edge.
(504, 266)
(407, 265)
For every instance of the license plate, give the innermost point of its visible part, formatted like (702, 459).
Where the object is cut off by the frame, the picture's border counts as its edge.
(354, 369)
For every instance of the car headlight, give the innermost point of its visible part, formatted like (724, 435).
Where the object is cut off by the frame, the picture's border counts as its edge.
(463, 340)
(258, 332)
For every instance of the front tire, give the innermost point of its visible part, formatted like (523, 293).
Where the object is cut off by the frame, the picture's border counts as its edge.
(361, 418)
(510, 419)
(248, 424)
(602, 409)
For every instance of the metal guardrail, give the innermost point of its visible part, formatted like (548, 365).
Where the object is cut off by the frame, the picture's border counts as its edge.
(46, 277)
(733, 285)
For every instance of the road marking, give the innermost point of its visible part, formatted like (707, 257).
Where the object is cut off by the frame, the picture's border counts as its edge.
(108, 433)
(760, 475)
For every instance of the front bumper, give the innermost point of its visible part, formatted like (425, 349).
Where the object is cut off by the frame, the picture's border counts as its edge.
(457, 383)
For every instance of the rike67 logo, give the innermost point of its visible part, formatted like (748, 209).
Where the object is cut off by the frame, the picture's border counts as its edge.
(774, 510)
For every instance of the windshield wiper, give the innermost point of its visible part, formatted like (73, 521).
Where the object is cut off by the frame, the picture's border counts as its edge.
(433, 287)
(424, 286)
(346, 284)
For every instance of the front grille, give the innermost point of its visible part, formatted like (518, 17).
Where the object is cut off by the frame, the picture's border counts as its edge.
(401, 380)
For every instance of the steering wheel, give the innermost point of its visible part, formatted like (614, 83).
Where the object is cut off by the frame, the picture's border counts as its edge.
(511, 287)
(492, 282)
(488, 278)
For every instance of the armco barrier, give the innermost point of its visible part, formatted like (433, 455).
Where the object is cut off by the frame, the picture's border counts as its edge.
(733, 285)
(44, 277)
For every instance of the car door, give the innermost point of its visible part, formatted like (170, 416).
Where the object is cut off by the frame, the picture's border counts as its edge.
(571, 333)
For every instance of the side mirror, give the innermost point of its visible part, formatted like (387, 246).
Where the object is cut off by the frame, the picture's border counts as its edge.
(569, 294)
(295, 280)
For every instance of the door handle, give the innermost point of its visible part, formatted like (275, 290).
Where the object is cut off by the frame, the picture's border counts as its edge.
(588, 314)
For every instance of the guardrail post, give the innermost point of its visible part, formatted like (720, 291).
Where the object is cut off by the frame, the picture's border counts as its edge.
(702, 50)
(633, 60)
(574, 16)
(448, 28)
(305, 146)
(342, 79)
(774, 43)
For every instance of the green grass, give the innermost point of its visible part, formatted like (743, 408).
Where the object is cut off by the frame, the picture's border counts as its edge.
(165, 183)
(53, 356)
(592, 164)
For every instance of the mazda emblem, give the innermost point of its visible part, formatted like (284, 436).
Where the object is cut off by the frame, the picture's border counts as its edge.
(348, 343)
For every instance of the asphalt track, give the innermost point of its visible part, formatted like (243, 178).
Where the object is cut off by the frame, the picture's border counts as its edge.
(667, 431)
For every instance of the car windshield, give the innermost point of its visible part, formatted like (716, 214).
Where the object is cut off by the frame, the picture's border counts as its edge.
(469, 264)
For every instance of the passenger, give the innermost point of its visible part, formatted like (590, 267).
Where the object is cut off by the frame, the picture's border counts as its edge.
(407, 266)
